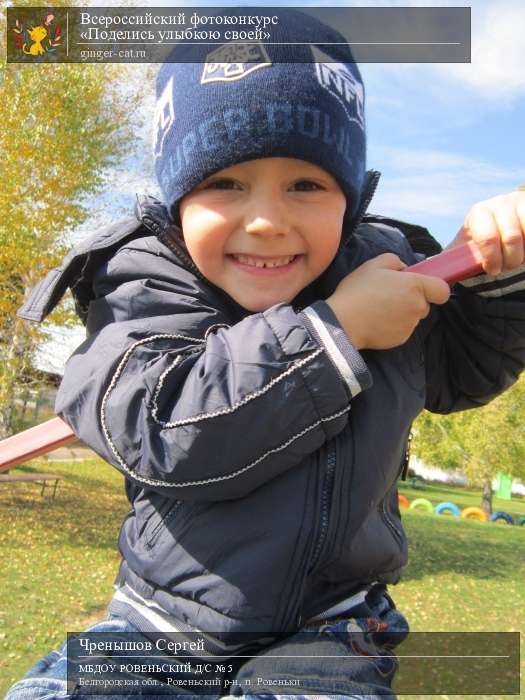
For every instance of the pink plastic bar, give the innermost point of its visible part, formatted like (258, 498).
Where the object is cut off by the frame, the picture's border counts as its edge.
(452, 265)
(34, 442)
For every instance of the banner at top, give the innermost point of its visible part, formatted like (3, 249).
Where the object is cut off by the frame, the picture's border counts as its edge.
(234, 36)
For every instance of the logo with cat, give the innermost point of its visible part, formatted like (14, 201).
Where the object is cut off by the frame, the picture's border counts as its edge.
(40, 39)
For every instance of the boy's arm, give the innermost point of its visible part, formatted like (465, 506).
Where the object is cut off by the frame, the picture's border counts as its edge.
(182, 403)
(476, 342)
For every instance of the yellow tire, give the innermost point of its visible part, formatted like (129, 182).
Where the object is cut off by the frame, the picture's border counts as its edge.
(474, 514)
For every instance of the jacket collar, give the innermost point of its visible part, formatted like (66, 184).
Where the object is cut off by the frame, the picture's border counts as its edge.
(154, 215)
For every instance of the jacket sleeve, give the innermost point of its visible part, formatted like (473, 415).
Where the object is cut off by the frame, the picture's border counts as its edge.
(475, 344)
(184, 402)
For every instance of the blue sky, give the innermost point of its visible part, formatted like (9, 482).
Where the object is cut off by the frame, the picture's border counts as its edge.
(444, 136)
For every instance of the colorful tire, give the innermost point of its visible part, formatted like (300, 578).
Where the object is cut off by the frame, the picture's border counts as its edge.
(403, 501)
(474, 514)
(501, 515)
(422, 504)
(447, 506)
(520, 521)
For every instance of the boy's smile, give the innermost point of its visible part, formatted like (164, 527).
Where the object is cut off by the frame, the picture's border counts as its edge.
(264, 229)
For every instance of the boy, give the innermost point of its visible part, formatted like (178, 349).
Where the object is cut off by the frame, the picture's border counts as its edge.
(254, 373)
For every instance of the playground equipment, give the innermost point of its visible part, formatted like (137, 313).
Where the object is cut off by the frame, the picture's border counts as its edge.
(403, 501)
(474, 514)
(501, 517)
(447, 508)
(422, 504)
(34, 442)
(417, 483)
(503, 486)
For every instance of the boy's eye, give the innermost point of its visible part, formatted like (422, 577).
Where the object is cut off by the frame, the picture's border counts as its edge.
(222, 184)
(307, 186)
(227, 183)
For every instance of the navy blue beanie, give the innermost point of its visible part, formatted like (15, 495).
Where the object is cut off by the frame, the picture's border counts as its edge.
(213, 113)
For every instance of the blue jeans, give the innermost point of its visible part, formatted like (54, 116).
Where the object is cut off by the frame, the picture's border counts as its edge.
(346, 669)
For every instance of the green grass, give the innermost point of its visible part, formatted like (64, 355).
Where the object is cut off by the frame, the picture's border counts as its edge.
(59, 559)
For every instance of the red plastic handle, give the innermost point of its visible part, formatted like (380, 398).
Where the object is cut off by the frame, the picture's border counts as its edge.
(34, 442)
(452, 265)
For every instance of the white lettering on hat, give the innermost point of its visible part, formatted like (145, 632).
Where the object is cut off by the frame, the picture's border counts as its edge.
(234, 61)
(235, 124)
(339, 81)
(163, 118)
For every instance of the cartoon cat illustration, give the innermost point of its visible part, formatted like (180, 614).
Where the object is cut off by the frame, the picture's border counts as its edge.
(36, 34)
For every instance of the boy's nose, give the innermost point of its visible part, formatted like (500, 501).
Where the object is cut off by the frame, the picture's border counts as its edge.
(267, 218)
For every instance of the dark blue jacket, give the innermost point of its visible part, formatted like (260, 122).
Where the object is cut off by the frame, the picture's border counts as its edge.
(261, 451)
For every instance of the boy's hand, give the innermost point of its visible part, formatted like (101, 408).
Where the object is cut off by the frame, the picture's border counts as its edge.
(379, 308)
(497, 226)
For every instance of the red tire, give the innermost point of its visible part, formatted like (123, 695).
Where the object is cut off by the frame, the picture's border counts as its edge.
(403, 501)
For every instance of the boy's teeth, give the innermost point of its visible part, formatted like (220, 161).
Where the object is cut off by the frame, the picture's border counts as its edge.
(276, 262)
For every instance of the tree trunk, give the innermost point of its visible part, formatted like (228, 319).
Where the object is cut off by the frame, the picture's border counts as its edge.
(6, 398)
(6, 416)
(486, 497)
(14, 358)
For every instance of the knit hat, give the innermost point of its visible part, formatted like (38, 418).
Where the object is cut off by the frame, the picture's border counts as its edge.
(233, 104)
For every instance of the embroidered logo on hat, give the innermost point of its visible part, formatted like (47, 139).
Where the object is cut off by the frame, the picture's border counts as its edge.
(163, 118)
(339, 81)
(234, 61)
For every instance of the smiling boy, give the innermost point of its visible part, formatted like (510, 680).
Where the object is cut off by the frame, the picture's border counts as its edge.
(260, 414)
(253, 229)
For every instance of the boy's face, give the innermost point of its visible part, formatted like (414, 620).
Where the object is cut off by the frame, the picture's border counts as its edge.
(268, 209)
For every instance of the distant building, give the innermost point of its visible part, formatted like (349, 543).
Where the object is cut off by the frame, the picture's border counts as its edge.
(453, 477)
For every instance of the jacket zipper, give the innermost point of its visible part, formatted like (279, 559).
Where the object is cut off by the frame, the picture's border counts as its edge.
(167, 234)
(171, 243)
(328, 483)
(407, 456)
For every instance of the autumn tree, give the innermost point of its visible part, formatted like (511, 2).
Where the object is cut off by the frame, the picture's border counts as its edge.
(62, 127)
(480, 442)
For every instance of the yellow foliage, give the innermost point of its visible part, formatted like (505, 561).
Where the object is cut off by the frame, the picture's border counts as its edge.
(61, 127)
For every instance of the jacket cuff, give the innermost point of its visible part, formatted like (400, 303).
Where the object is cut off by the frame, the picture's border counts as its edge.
(497, 285)
(323, 325)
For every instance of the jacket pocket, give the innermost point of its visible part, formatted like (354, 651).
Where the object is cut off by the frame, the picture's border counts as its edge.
(389, 518)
